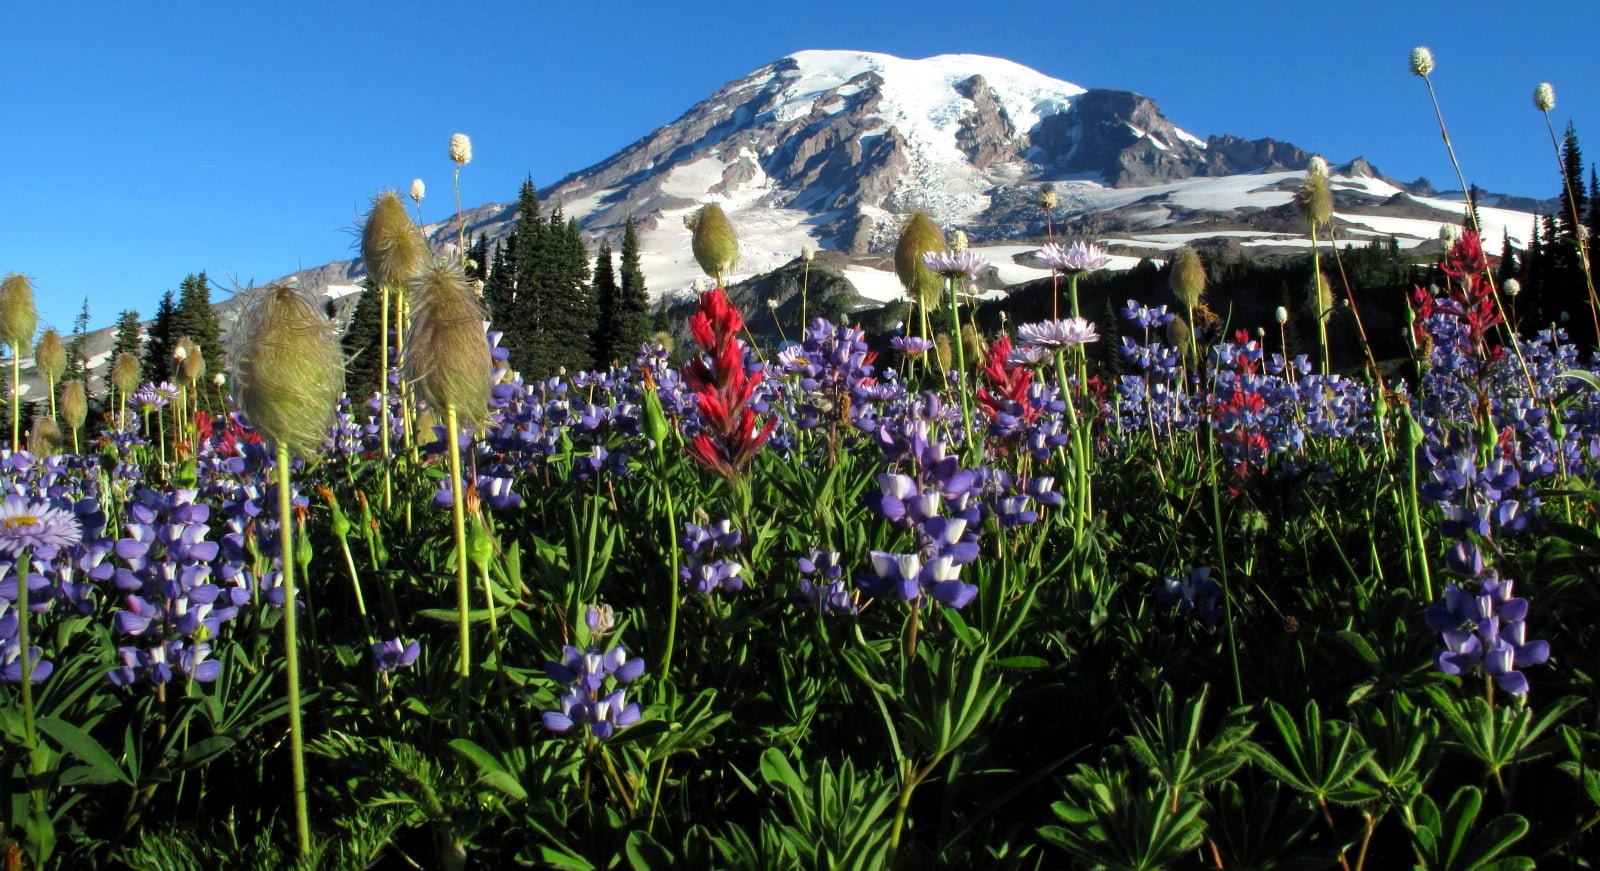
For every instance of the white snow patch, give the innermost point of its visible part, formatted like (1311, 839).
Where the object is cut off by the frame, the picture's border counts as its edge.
(880, 285)
(340, 291)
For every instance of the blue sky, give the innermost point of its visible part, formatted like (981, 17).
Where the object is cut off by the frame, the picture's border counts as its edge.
(145, 140)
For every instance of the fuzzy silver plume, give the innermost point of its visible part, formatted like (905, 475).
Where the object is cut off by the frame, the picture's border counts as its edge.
(18, 315)
(50, 357)
(125, 373)
(191, 365)
(449, 352)
(74, 405)
(1544, 97)
(460, 149)
(1421, 61)
(919, 236)
(392, 248)
(288, 370)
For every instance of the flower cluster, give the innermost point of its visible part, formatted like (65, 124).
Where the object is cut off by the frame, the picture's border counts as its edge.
(592, 676)
(731, 431)
(937, 505)
(822, 583)
(1192, 593)
(1488, 631)
(705, 568)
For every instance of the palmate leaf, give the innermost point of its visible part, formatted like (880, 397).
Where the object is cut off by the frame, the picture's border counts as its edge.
(1169, 745)
(1323, 759)
(1451, 842)
(1265, 831)
(1112, 824)
(1502, 735)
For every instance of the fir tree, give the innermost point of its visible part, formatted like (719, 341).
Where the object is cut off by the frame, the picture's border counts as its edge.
(499, 286)
(126, 339)
(529, 258)
(605, 298)
(77, 358)
(1508, 258)
(197, 320)
(572, 314)
(633, 323)
(477, 268)
(157, 360)
(362, 346)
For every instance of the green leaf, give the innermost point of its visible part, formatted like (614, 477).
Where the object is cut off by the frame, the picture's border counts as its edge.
(203, 751)
(1022, 662)
(80, 744)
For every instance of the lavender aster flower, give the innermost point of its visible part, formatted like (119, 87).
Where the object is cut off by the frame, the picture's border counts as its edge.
(953, 264)
(1058, 334)
(911, 346)
(1078, 257)
(26, 525)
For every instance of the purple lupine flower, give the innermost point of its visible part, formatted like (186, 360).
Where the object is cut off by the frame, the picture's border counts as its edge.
(827, 590)
(906, 577)
(705, 569)
(592, 698)
(1193, 592)
(394, 654)
(1488, 631)
(11, 650)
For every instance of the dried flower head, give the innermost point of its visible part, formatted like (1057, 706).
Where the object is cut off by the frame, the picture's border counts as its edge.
(808, 253)
(1320, 295)
(45, 438)
(18, 315)
(1188, 278)
(460, 149)
(958, 241)
(449, 350)
(192, 363)
(50, 356)
(919, 236)
(418, 190)
(74, 405)
(1314, 199)
(1421, 61)
(1544, 97)
(287, 368)
(716, 246)
(391, 246)
(125, 373)
(1047, 196)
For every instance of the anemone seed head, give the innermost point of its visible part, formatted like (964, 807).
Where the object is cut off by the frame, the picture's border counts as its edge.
(919, 236)
(74, 404)
(1188, 278)
(460, 149)
(125, 373)
(1544, 97)
(392, 248)
(50, 356)
(1421, 61)
(715, 244)
(288, 371)
(18, 315)
(449, 351)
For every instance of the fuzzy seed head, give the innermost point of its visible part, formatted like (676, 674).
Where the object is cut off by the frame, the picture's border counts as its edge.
(287, 368)
(45, 438)
(958, 241)
(715, 244)
(1317, 165)
(448, 351)
(191, 366)
(1188, 279)
(50, 356)
(1319, 294)
(418, 190)
(1544, 97)
(808, 253)
(1314, 199)
(18, 315)
(1421, 61)
(1511, 287)
(74, 405)
(391, 246)
(1047, 196)
(919, 236)
(460, 149)
(125, 373)
(1179, 335)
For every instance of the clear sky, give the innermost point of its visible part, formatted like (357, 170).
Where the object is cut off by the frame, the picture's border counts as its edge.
(143, 141)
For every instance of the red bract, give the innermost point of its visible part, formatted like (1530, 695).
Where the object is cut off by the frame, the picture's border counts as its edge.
(1469, 296)
(732, 432)
(1009, 382)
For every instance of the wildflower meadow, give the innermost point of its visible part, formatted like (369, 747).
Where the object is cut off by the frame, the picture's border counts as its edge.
(941, 597)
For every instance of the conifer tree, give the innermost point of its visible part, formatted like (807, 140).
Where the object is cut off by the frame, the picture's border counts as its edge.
(197, 320)
(633, 304)
(361, 344)
(572, 315)
(498, 287)
(605, 299)
(78, 358)
(530, 267)
(477, 268)
(126, 338)
(1508, 258)
(156, 364)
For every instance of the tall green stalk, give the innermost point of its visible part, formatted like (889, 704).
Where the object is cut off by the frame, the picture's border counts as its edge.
(961, 361)
(291, 652)
(383, 395)
(29, 729)
(458, 516)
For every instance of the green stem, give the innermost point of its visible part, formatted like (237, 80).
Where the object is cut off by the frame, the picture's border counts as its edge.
(383, 394)
(16, 399)
(961, 362)
(1222, 560)
(29, 730)
(458, 516)
(291, 653)
(672, 579)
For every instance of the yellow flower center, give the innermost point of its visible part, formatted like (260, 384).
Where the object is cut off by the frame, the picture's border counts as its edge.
(12, 524)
